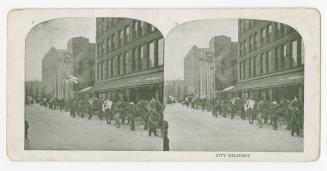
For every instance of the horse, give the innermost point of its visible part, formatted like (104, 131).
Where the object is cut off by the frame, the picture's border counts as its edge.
(106, 109)
(143, 112)
(249, 109)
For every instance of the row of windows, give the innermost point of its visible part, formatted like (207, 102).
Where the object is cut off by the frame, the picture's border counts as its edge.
(106, 23)
(123, 37)
(141, 58)
(286, 56)
(263, 37)
(246, 24)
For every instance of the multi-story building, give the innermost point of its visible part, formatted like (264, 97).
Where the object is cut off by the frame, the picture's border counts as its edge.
(83, 59)
(199, 72)
(271, 60)
(56, 69)
(226, 55)
(129, 59)
(176, 89)
(34, 88)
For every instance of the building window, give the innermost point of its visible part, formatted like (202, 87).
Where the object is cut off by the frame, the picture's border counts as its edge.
(285, 30)
(254, 66)
(160, 51)
(98, 27)
(282, 56)
(108, 45)
(277, 57)
(153, 28)
(294, 53)
(126, 35)
(256, 40)
(240, 48)
(142, 24)
(246, 47)
(258, 66)
(108, 24)
(140, 57)
(118, 65)
(278, 30)
(151, 54)
(263, 64)
(120, 38)
(246, 24)
(104, 25)
(250, 43)
(244, 70)
(98, 50)
(122, 64)
(101, 71)
(270, 32)
(250, 67)
(98, 71)
(267, 63)
(302, 52)
(263, 37)
(128, 62)
(145, 57)
(271, 61)
(112, 67)
(107, 69)
(135, 29)
(113, 38)
(115, 62)
(240, 70)
(285, 55)
(134, 61)
(103, 50)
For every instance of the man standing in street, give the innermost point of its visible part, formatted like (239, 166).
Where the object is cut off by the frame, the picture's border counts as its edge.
(295, 116)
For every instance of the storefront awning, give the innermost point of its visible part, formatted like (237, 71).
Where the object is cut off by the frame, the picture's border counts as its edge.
(226, 90)
(273, 81)
(85, 90)
(131, 81)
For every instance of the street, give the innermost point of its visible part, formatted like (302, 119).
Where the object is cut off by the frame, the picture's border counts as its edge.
(55, 130)
(194, 130)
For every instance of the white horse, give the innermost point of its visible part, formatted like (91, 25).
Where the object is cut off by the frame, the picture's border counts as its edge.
(249, 109)
(106, 109)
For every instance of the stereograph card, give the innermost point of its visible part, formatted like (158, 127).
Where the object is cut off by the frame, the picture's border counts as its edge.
(163, 84)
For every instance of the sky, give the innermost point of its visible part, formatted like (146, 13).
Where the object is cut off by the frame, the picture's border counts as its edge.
(181, 39)
(54, 33)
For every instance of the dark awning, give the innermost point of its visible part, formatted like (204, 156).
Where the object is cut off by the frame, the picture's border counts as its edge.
(273, 81)
(85, 90)
(227, 90)
(131, 81)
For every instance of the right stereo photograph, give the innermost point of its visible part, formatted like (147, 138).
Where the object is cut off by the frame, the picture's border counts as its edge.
(234, 85)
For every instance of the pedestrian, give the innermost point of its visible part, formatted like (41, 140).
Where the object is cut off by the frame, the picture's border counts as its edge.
(295, 117)
(26, 130)
(165, 136)
(131, 113)
(143, 112)
(153, 116)
(118, 111)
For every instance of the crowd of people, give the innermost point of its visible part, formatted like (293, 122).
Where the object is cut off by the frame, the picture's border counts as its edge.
(148, 113)
(265, 112)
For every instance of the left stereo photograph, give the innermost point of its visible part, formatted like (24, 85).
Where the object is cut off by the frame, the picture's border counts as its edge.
(94, 84)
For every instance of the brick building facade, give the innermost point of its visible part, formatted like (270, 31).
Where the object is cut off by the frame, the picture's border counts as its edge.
(129, 59)
(199, 72)
(83, 59)
(56, 68)
(226, 55)
(271, 60)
